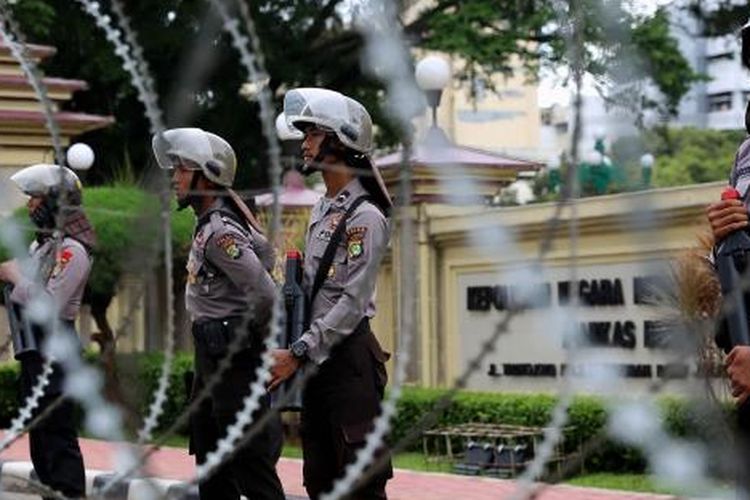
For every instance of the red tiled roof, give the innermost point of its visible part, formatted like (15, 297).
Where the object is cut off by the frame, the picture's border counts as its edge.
(40, 51)
(83, 121)
(460, 155)
(20, 81)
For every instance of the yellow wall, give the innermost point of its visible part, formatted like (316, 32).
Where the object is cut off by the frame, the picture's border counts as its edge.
(464, 243)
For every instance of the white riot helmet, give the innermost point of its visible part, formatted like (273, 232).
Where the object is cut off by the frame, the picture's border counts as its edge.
(349, 121)
(331, 110)
(212, 154)
(45, 180)
(285, 132)
(54, 185)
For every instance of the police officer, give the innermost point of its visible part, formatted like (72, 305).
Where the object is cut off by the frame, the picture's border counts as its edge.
(725, 217)
(229, 294)
(61, 268)
(342, 399)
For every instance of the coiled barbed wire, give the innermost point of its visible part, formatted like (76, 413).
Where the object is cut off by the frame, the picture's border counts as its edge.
(253, 63)
(553, 433)
(144, 87)
(18, 424)
(131, 54)
(399, 80)
(257, 390)
(13, 38)
(151, 96)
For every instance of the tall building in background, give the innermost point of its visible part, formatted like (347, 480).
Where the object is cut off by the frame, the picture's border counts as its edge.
(720, 102)
(504, 119)
(501, 120)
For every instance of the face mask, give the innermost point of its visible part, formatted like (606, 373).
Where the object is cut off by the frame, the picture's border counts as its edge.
(44, 215)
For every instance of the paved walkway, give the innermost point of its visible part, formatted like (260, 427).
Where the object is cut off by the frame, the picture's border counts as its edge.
(176, 464)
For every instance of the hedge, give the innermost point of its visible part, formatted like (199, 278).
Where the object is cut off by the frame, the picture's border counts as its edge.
(587, 414)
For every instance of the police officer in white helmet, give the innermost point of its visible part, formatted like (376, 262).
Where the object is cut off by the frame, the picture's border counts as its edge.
(347, 235)
(229, 295)
(60, 269)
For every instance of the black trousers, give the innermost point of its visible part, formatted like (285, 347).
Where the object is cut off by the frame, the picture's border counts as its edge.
(252, 469)
(53, 442)
(339, 405)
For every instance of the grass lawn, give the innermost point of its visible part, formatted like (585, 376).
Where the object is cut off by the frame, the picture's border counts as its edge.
(638, 482)
(408, 460)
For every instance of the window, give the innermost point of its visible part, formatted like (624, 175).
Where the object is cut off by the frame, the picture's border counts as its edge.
(720, 102)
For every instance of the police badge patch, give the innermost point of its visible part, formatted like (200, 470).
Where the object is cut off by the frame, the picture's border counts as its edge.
(227, 243)
(355, 241)
(62, 261)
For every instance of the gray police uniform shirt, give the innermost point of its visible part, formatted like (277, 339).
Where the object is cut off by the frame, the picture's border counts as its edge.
(225, 275)
(348, 293)
(740, 176)
(62, 277)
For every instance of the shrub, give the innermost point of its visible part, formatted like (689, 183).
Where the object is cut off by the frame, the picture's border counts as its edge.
(587, 414)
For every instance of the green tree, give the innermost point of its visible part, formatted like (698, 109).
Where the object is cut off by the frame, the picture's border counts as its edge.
(312, 42)
(683, 156)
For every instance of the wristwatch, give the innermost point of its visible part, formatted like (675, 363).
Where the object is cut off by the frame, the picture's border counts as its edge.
(299, 350)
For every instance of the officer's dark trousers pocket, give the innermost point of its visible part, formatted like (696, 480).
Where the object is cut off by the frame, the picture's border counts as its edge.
(212, 337)
(340, 403)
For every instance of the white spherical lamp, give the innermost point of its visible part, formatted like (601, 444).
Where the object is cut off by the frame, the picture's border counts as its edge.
(647, 160)
(80, 156)
(433, 73)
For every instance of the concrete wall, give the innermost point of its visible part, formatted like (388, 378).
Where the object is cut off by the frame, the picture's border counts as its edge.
(474, 247)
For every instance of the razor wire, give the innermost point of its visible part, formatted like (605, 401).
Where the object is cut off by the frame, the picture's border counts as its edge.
(477, 365)
(13, 38)
(251, 403)
(554, 432)
(380, 31)
(253, 64)
(134, 63)
(18, 424)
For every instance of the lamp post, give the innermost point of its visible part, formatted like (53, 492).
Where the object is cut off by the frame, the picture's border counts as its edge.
(553, 169)
(647, 168)
(433, 74)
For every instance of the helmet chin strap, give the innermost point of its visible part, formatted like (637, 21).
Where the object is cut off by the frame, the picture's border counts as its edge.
(191, 199)
(326, 148)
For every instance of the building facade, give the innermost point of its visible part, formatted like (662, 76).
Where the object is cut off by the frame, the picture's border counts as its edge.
(476, 263)
(24, 138)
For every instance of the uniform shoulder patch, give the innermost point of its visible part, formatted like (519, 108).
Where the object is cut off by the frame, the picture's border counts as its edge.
(355, 237)
(228, 243)
(63, 259)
